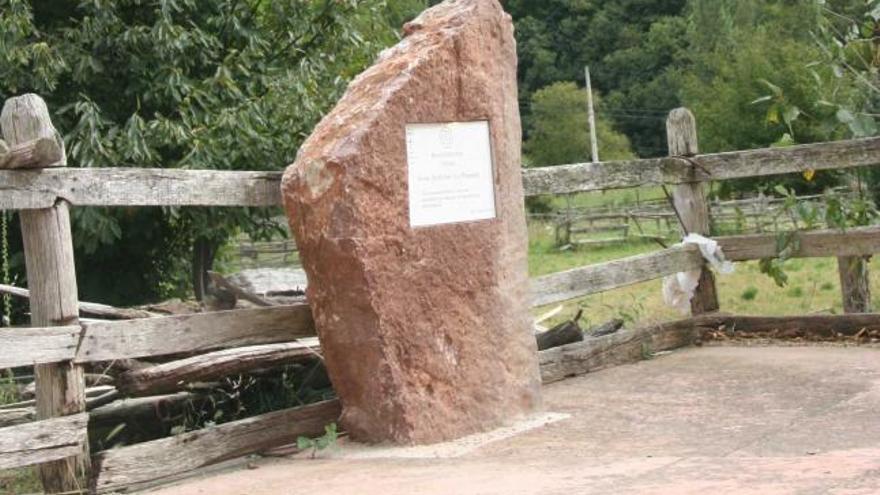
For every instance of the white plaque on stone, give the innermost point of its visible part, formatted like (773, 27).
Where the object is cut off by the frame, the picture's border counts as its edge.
(451, 176)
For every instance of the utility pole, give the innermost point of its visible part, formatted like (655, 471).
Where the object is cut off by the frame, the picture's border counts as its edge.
(591, 116)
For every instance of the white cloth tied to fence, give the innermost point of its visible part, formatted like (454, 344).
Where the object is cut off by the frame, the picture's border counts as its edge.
(678, 289)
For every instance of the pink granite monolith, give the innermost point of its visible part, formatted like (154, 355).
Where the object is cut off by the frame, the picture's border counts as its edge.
(421, 303)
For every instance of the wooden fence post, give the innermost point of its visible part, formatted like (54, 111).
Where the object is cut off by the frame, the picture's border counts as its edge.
(52, 281)
(690, 202)
(855, 284)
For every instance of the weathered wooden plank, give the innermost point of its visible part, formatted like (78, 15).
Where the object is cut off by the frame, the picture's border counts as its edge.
(42, 441)
(38, 153)
(109, 340)
(24, 189)
(625, 346)
(862, 241)
(690, 203)
(117, 469)
(28, 346)
(578, 282)
(716, 166)
(48, 248)
(181, 187)
(176, 375)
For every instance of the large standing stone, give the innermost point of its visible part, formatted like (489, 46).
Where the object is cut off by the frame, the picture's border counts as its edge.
(426, 329)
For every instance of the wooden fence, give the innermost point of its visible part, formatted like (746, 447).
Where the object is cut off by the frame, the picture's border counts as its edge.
(221, 343)
(657, 220)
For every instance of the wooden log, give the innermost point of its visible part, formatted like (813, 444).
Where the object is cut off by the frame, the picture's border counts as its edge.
(124, 467)
(152, 408)
(626, 346)
(861, 241)
(39, 153)
(200, 332)
(24, 189)
(29, 346)
(48, 248)
(564, 333)
(818, 325)
(103, 414)
(45, 441)
(177, 375)
(690, 203)
(87, 308)
(855, 285)
(586, 280)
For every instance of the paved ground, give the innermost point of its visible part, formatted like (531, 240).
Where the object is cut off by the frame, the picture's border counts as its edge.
(719, 420)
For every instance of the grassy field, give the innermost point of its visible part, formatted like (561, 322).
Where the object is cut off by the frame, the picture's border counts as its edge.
(813, 285)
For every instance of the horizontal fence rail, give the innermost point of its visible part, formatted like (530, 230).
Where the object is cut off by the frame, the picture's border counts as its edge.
(577, 282)
(717, 166)
(199, 332)
(601, 277)
(29, 189)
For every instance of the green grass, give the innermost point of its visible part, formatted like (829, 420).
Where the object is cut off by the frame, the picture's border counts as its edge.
(611, 197)
(19, 481)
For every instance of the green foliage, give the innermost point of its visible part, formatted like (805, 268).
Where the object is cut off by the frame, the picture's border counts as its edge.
(559, 130)
(629, 45)
(224, 85)
(328, 439)
(749, 294)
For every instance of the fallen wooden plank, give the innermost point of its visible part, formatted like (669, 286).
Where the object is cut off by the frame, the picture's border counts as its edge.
(578, 282)
(29, 346)
(42, 441)
(176, 375)
(87, 308)
(717, 166)
(124, 467)
(28, 189)
(862, 241)
(625, 346)
(109, 340)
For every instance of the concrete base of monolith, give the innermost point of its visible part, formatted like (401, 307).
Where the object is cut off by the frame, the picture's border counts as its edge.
(417, 277)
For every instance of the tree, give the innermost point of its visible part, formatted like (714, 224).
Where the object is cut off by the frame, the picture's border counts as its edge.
(226, 85)
(559, 131)
(630, 45)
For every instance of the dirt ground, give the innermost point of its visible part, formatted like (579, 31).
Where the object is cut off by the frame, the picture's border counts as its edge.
(716, 420)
